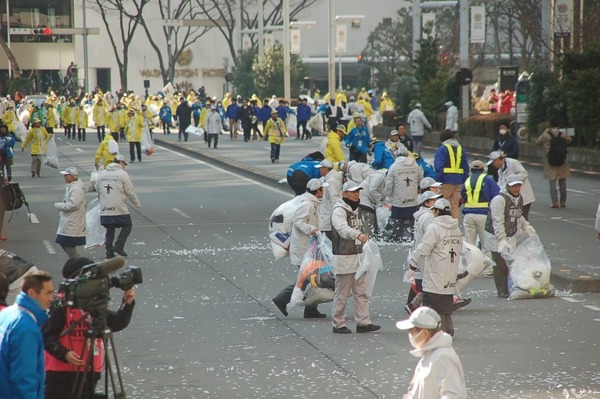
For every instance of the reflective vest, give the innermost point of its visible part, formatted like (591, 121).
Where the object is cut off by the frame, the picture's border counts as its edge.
(454, 160)
(474, 195)
(74, 342)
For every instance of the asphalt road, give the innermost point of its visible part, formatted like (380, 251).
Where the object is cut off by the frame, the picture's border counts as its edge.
(205, 327)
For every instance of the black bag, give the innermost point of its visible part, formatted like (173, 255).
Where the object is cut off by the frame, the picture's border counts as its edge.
(557, 154)
(13, 197)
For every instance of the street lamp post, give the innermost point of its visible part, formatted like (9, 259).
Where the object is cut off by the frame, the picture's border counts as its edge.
(85, 50)
(287, 76)
(355, 21)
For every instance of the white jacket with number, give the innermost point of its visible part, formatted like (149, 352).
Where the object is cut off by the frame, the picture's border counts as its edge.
(402, 182)
(114, 187)
(306, 219)
(440, 247)
(72, 211)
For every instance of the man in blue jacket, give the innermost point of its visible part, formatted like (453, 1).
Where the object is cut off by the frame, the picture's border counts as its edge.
(451, 166)
(383, 158)
(303, 114)
(232, 114)
(299, 173)
(21, 340)
(358, 140)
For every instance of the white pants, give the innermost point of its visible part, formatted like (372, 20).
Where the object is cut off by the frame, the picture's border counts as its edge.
(474, 226)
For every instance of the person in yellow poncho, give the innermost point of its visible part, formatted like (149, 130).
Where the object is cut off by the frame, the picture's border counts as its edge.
(68, 117)
(274, 131)
(133, 129)
(107, 151)
(333, 148)
(100, 116)
(81, 120)
(386, 103)
(366, 106)
(10, 117)
(227, 100)
(38, 137)
(339, 97)
(51, 118)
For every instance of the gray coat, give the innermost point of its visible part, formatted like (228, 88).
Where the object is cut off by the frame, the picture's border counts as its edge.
(553, 172)
(72, 211)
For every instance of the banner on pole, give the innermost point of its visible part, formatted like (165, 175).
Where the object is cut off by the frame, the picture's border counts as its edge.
(295, 41)
(340, 38)
(478, 24)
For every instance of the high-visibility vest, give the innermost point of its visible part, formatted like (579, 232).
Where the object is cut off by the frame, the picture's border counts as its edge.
(473, 196)
(454, 160)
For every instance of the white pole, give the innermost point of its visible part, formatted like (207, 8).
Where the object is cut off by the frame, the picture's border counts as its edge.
(261, 29)
(332, 33)
(8, 36)
(340, 87)
(287, 92)
(85, 51)
(416, 11)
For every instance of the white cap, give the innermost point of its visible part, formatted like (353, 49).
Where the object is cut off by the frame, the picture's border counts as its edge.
(394, 133)
(513, 180)
(449, 103)
(423, 317)
(418, 105)
(315, 184)
(427, 182)
(121, 158)
(426, 196)
(326, 163)
(351, 186)
(493, 156)
(70, 171)
(442, 204)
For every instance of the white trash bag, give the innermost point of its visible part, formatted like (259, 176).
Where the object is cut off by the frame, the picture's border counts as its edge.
(370, 264)
(474, 261)
(280, 227)
(147, 143)
(51, 158)
(94, 232)
(529, 269)
(20, 130)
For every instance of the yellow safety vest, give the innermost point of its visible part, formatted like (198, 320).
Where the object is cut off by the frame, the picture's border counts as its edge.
(474, 195)
(454, 161)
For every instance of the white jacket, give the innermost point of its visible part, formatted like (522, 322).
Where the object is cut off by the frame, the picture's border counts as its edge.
(423, 218)
(598, 219)
(344, 264)
(114, 187)
(417, 122)
(514, 167)
(439, 373)
(331, 195)
(373, 188)
(72, 211)
(213, 123)
(440, 247)
(358, 171)
(497, 207)
(402, 182)
(306, 219)
(452, 118)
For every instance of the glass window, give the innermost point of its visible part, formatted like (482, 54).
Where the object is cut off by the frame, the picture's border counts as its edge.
(32, 14)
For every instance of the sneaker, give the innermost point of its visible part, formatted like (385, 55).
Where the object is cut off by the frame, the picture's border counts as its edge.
(3, 238)
(503, 295)
(281, 306)
(367, 328)
(120, 252)
(409, 308)
(110, 254)
(314, 315)
(460, 304)
(342, 330)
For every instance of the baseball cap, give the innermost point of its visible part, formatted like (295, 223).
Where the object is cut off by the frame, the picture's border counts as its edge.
(442, 204)
(315, 184)
(121, 158)
(394, 133)
(449, 103)
(341, 127)
(326, 163)
(273, 112)
(427, 182)
(493, 156)
(418, 105)
(423, 317)
(351, 186)
(426, 196)
(70, 171)
(477, 165)
(513, 179)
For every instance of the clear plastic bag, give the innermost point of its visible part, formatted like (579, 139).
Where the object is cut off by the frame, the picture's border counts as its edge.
(383, 215)
(94, 232)
(316, 278)
(20, 130)
(370, 264)
(51, 158)
(94, 178)
(280, 227)
(529, 269)
(474, 261)
(147, 143)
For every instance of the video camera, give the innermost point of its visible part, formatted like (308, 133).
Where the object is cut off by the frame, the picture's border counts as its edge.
(90, 288)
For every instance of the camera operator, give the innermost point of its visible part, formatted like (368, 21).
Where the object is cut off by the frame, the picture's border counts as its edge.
(64, 357)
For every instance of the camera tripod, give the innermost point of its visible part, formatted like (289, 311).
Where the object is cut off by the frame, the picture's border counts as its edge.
(85, 377)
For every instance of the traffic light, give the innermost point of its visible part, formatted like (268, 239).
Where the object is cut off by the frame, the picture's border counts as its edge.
(42, 31)
(359, 59)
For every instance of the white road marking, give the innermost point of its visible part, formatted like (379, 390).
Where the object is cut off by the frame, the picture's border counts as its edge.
(577, 191)
(592, 307)
(578, 224)
(181, 213)
(572, 300)
(220, 237)
(49, 247)
(80, 149)
(229, 173)
(33, 218)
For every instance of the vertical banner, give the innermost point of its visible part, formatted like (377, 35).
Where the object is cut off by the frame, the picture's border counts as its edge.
(295, 41)
(268, 41)
(428, 25)
(478, 24)
(340, 38)
(563, 17)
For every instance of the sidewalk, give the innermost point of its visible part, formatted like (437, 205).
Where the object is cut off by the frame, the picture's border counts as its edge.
(252, 160)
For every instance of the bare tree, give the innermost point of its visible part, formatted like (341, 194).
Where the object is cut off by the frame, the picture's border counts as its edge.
(14, 65)
(222, 13)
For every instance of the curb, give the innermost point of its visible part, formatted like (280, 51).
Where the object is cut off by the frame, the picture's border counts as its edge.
(572, 280)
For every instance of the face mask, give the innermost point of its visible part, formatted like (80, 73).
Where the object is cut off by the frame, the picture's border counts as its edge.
(502, 132)
(417, 341)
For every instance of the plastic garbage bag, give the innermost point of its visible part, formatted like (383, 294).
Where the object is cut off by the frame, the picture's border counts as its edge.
(280, 227)
(94, 178)
(474, 261)
(292, 126)
(191, 129)
(94, 231)
(20, 130)
(316, 278)
(51, 153)
(370, 263)
(529, 269)
(147, 143)
(383, 214)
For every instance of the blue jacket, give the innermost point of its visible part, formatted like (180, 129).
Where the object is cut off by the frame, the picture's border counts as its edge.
(303, 112)
(7, 143)
(428, 170)
(282, 112)
(308, 167)
(508, 145)
(22, 350)
(165, 114)
(489, 190)
(232, 111)
(265, 113)
(442, 161)
(359, 138)
(383, 158)
(196, 109)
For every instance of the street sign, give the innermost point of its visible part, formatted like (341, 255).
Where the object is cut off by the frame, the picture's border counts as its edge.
(54, 31)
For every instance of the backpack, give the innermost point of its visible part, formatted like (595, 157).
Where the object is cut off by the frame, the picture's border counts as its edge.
(557, 154)
(14, 198)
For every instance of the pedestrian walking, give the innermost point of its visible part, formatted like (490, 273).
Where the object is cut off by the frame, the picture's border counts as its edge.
(275, 133)
(506, 142)
(72, 223)
(213, 126)
(418, 123)
(38, 137)
(184, 117)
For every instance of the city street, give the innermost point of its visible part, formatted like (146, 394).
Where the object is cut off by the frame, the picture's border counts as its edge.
(204, 325)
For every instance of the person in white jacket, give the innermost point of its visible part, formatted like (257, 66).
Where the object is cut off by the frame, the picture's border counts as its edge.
(304, 226)
(418, 123)
(331, 195)
(346, 245)
(451, 116)
(440, 252)
(71, 226)
(371, 196)
(439, 373)
(509, 167)
(213, 126)
(114, 187)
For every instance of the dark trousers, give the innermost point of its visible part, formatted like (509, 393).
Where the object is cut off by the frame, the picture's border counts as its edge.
(70, 129)
(285, 296)
(115, 136)
(121, 239)
(275, 149)
(122, 133)
(211, 137)
(305, 130)
(100, 131)
(500, 274)
(133, 147)
(59, 385)
(255, 130)
(81, 134)
(247, 131)
(166, 127)
(183, 133)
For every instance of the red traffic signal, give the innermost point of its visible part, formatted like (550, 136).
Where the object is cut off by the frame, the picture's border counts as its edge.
(42, 31)
(359, 59)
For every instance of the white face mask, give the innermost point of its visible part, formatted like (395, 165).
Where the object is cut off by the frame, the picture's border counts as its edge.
(417, 340)
(502, 132)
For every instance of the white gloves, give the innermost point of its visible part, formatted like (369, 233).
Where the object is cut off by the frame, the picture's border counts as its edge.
(412, 264)
(530, 231)
(503, 248)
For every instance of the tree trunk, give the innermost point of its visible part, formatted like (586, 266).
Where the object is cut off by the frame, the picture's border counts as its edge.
(14, 65)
